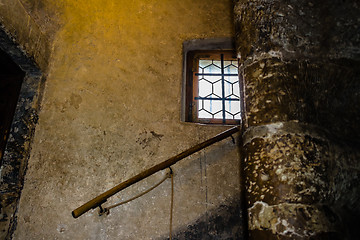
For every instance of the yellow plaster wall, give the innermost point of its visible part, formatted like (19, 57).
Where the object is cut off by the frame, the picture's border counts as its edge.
(111, 109)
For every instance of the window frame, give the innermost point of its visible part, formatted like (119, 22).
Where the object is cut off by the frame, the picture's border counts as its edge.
(191, 86)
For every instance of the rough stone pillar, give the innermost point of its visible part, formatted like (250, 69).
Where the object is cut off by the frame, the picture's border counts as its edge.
(300, 64)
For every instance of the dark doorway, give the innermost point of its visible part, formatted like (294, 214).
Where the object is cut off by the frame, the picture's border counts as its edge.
(11, 77)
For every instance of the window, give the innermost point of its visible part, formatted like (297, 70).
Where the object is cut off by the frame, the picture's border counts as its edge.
(212, 87)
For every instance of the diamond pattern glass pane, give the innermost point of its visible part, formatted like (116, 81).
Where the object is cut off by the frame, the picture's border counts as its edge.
(204, 63)
(218, 88)
(211, 79)
(212, 106)
(218, 115)
(204, 114)
(230, 66)
(232, 109)
(217, 63)
(218, 96)
(206, 66)
(232, 79)
(205, 88)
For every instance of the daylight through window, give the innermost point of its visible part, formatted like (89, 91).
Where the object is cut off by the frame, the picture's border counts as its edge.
(215, 95)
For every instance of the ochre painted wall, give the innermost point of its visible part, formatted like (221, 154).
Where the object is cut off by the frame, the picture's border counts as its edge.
(111, 109)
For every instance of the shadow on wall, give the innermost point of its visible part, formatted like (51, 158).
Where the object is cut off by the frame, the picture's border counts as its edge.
(224, 222)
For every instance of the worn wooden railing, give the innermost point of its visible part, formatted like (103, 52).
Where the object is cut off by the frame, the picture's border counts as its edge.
(96, 202)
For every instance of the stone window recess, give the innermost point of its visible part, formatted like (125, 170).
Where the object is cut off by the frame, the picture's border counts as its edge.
(11, 77)
(21, 87)
(212, 87)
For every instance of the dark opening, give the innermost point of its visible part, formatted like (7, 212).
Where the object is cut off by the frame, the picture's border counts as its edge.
(11, 77)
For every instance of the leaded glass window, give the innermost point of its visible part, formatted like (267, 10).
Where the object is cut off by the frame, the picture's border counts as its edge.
(215, 94)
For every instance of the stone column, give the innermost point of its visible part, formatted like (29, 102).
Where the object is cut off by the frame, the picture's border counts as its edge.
(300, 65)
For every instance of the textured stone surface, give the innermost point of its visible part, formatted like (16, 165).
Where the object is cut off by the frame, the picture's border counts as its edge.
(300, 64)
(17, 150)
(32, 25)
(324, 94)
(292, 221)
(297, 67)
(293, 29)
(111, 109)
(297, 179)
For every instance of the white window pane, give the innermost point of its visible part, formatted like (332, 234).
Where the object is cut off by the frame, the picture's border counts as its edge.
(219, 115)
(237, 116)
(233, 107)
(205, 88)
(204, 114)
(211, 79)
(212, 106)
(218, 88)
(210, 86)
(206, 66)
(232, 79)
(204, 63)
(217, 63)
(231, 69)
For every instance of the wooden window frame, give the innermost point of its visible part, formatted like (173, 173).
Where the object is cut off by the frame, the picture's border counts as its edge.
(192, 65)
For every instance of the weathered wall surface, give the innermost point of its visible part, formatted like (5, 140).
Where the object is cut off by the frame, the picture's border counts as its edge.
(32, 24)
(17, 149)
(111, 109)
(300, 62)
(307, 50)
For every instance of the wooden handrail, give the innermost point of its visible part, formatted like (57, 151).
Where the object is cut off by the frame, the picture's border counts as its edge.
(96, 202)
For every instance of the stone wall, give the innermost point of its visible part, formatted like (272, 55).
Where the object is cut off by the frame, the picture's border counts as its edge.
(32, 24)
(111, 109)
(18, 145)
(300, 64)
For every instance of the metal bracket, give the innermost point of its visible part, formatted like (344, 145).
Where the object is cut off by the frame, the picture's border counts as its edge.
(233, 139)
(103, 211)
